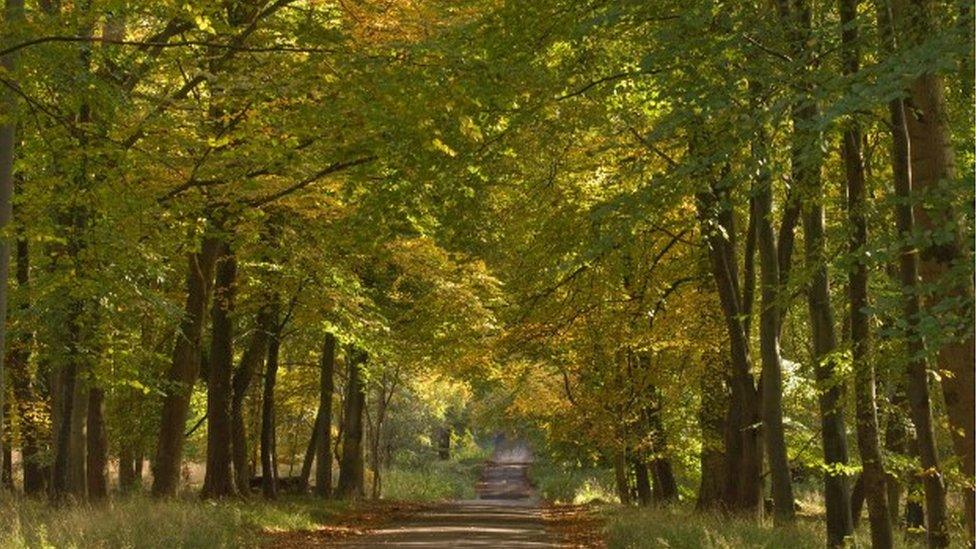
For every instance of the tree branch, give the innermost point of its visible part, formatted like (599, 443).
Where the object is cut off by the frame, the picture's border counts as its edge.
(328, 170)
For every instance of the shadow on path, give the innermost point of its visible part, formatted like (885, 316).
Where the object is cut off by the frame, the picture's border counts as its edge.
(506, 513)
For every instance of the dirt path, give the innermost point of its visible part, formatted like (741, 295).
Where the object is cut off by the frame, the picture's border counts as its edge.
(506, 513)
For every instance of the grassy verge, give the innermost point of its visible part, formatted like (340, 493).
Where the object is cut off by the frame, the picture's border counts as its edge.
(142, 522)
(435, 481)
(681, 527)
(572, 485)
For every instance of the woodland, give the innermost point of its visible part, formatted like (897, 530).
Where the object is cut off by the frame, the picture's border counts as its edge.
(712, 258)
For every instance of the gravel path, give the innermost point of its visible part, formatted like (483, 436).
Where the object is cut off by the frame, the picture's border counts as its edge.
(505, 515)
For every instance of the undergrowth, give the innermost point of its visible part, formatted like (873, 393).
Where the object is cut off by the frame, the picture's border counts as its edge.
(143, 522)
(680, 527)
(433, 481)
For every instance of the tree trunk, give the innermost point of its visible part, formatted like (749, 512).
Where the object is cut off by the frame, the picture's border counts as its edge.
(183, 372)
(620, 477)
(919, 400)
(444, 443)
(23, 383)
(13, 14)
(97, 446)
(868, 435)
(78, 443)
(946, 255)
(323, 455)
(269, 473)
(661, 472)
(711, 419)
(351, 470)
(310, 449)
(219, 479)
(7, 474)
(642, 479)
(384, 394)
(769, 317)
(743, 441)
(127, 467)
(806, 165)
(898, 440)
(251, 362)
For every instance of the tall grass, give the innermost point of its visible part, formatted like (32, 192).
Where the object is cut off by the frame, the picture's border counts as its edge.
(572, 485)
(435, 481)
(680, 527)
(142, 522)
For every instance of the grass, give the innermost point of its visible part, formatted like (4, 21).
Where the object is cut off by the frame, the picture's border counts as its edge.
(573, 485)
(143, 522)
(435, 481)
(680, 527)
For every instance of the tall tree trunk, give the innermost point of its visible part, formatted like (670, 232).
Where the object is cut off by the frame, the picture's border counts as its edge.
(251, 362)
(127, 467)
(898, 440)
(219, 479)
(184, 370)
(13, 14)
(323, 455)
(711, 419)
(351, 470)
(642, 479)
(97, 446)
(658, 462)
(385, 391)
(919, 400)
(443, 437)
(7, 474)
(620, 476)
(309, 460)
(945, 259)
(868, 434)
(23, 383)
(63, 389)
(769, 317)
(78, 442)
(269, 473)
(806, 166)
(743, 440)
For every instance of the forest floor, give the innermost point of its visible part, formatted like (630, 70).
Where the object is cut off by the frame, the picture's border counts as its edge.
(506, 514)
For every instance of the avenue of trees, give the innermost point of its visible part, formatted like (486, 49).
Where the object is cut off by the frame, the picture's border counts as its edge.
(723, 248)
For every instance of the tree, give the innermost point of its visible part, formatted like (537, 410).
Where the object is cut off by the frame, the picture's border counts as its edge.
(351, 469)
(323, 445)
